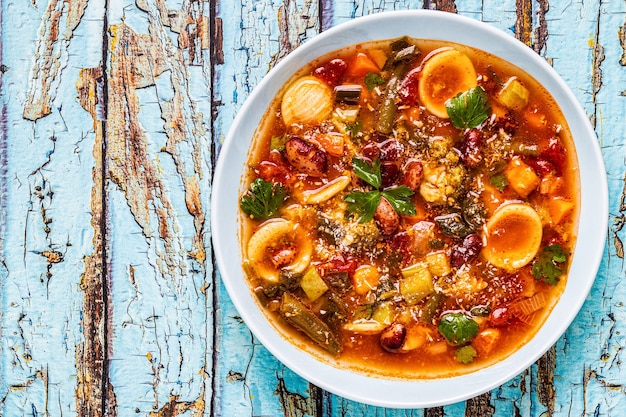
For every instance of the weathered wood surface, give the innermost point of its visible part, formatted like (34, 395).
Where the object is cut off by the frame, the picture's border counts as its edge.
(111, 118)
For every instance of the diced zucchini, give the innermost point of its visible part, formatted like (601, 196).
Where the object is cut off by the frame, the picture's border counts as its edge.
(416, 283)
(513, 94)
(438, 263)
(384, 313)
(312, 284)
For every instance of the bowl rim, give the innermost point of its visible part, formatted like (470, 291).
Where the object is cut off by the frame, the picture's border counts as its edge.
(421, 393)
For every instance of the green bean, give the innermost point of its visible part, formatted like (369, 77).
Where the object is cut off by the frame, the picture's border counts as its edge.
(303, 319)
(431, 306)
(388, 105)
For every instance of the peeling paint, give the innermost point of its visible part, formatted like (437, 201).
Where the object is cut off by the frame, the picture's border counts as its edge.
(294, 24)
(621, 34)
(50, 54)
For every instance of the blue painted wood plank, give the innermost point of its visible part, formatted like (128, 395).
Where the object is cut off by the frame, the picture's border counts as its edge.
(46, 144)
(157, 198)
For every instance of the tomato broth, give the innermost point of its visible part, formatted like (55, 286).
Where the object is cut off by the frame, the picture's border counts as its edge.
(410, 208)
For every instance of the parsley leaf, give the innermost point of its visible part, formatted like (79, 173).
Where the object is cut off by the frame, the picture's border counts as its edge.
(372, 80)
(458, 328)
(263, 199)
(363, 204)
(500, 181)
(546, 266)
(465, 354)
(353, 129)
(469, 108)
(368, 172)
(398, 197)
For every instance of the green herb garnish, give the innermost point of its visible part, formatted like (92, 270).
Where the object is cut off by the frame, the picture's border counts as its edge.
(547, 265)
(364, 203)
(469, 108)
(465, 354)
(372, 80)
(368, 172)
(353, 129)
(500, 181)
(263, 199)
(458, 328)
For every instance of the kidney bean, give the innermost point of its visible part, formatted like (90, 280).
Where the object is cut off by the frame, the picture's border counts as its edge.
(413, 174)
(541, 166)
(331, 72)
(408, 92)
(555, 153)
(390, 150)
(386, 217)
(371, 150)
(500, 316)
(392, 338)
(471, 151)
(305, 157)
(389, 173)
(467, 251)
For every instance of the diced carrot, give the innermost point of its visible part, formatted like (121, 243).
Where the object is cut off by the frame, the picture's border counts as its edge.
(331, 143)
(559, 208)
(521, 177)
(486, 341)
(378, 56)
(365, 278)
(361, 65)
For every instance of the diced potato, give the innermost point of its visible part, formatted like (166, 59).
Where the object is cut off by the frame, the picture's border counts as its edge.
(559, 208)
(384, 313)
(365, 279)
(416, 283)
(513, 94)
(521, 177)
(438, 263)
(486, 341)
(312, 284)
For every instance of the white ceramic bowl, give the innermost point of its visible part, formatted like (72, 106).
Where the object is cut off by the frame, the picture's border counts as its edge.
(378, 390)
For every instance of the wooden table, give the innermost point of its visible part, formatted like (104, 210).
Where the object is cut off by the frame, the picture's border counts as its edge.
(111, 118)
